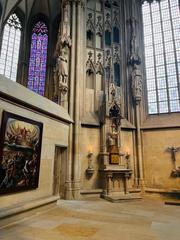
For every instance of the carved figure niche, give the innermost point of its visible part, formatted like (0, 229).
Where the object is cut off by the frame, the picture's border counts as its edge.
(90, 38)
(99, 32)
(90, 80)
(116, 35)
(90, 72)
(117, 74)
(99, 73)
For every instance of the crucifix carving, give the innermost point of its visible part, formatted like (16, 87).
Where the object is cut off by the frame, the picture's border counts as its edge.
(176, 169)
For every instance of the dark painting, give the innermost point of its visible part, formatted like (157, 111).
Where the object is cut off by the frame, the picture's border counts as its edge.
(20, 150)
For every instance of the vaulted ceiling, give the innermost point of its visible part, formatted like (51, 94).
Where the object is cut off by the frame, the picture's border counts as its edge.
(50, 8)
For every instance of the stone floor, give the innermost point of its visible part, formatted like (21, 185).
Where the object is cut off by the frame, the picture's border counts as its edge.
(95, 219)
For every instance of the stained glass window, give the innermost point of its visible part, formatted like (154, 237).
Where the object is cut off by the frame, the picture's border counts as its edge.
(38, 58)
(161, 22)
(10, 47)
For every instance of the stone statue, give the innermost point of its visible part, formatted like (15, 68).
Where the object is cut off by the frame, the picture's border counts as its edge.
(61, 73)
(134, 57)
(111, 140)
(112, 93)
(136, 83)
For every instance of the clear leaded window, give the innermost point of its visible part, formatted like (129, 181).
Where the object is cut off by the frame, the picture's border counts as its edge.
(161, 22)
(38, 58)
(10, 47)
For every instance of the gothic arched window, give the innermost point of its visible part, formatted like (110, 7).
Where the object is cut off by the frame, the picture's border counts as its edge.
(107, 4)
(90, 38)
(117, 74)
(161, 22)
(116, 35)
(10, 47)
(108, 38)
(107, 73)
(38, 58)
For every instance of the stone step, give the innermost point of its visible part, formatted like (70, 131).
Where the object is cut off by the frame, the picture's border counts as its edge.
(122, 197)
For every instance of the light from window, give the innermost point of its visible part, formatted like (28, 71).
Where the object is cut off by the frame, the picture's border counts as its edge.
(38, 58)
(162, 55)
(10, 47)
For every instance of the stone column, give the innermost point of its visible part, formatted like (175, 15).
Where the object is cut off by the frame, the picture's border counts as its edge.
(139, 146)
(69, 177)
(78, 77)
(134, 67)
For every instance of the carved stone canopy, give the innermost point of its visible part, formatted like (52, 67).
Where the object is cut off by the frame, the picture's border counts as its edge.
(114, 111)
(65, 41)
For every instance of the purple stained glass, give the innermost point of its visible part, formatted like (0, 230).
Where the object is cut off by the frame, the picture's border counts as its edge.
(38, 58)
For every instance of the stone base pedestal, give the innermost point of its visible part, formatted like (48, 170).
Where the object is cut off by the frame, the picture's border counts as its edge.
(120, 197)
(116, 184)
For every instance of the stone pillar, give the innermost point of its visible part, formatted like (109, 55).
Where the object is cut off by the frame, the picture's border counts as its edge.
(139, 147)
(135, 73)
(69, 178)
(78, 78)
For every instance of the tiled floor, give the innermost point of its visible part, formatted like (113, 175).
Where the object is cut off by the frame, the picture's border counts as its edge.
(96, 219)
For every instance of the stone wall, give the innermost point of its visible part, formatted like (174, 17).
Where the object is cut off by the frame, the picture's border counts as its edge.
(89, 141)
(55, 133)
(157, 161)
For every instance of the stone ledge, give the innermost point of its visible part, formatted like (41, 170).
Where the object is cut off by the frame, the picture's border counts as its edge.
(16, 209)
(156, 190)
(16, 93)
(91, 191)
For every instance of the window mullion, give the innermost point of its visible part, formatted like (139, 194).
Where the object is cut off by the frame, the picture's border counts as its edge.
(165, 62)
(174, 47)
(13, 53)
(7, 50)
(155, 71)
